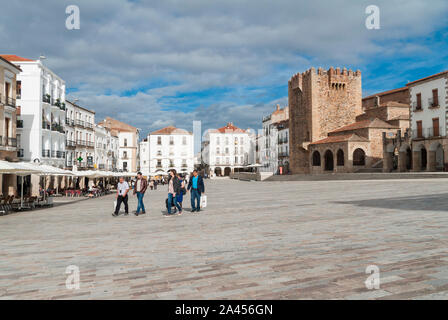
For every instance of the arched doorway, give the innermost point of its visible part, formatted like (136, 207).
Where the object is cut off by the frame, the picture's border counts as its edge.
(424, 158)
(218, 172)
(329, 161)
(359, 157)
(227, 171)
(316, 159)
(340, 158)
(408, 158)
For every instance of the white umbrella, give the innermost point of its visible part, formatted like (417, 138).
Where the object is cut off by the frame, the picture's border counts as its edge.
(19, 169)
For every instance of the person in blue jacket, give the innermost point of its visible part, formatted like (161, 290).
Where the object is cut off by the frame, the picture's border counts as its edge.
(196, 186)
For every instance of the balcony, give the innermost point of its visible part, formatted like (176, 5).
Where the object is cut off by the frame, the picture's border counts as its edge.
(416, 107)
(60, 154)
(90, 144)
(46, 125)
(427, 133)
(70, 143)
(8, 142)
(88, 125)
(20, 153)
(46, 153)
(10, 102)
(80, 142)
(46, 98)
(79, 123)
(57, 127)
(19, 124)
(433, 104)
(69, 122)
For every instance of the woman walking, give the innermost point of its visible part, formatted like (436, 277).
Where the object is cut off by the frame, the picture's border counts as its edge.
(180, 195)
(174, 187)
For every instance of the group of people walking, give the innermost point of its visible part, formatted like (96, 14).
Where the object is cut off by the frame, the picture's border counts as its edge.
(177, 188)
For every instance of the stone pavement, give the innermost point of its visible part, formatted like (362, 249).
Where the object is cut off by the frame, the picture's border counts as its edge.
(256, 240)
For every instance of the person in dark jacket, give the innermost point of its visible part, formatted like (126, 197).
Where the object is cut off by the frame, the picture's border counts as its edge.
(139, 189)
(174, 188)
(196, 185)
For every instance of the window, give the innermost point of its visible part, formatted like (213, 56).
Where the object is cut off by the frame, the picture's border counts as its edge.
(316, 159)
(435, 127)
(159, 163)
(227, 141)
(18, 89)
(419, 129)
(171, 140)
(241, 140)
(419, 101)
(125, 142)
(125, 154)
(227, 150)
(236, 159)
(236, 140)
(435, 98)
(217, 150)
(159, 140)
(217, 140)
(184, 141)
(236, 150)
(217, 160)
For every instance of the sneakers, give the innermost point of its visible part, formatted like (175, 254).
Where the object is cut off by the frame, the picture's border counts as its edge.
(114, 215)
(180, 213)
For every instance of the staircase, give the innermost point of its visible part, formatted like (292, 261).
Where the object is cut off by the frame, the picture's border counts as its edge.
(377, 167)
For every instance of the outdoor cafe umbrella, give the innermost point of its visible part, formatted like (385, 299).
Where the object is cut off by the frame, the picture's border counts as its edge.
(18, 169)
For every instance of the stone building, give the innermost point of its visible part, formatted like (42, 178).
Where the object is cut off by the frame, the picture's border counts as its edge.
(8, 115)
(425, 146)
(320, 102)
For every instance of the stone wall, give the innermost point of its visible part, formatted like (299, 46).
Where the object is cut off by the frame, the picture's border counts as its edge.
(400, 95)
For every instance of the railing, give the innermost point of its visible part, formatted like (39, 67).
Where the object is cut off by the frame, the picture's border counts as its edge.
(69, 122)
(46, 153)
(46, 125)
(80, 142)
(70, 143)
(88, 125)
(60, 154)
(90, 144)
(46, 99)
(20, 153)
(69, 163)
(19, 124)
(433, 104)
(11, 102)
(416, 107)
(79, 123)
(427, 133)
(159, 166)
(184, 165)
(8, 142)
(101, 166)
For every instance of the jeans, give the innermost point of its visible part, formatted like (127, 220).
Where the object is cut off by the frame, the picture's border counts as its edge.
(121, 199)
(140, 205)
(195, 195)
(173, 200)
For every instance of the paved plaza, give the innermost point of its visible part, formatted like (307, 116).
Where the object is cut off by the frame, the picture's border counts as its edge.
(256, 240)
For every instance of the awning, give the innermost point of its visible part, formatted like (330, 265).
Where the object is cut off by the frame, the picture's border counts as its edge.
(17, 168)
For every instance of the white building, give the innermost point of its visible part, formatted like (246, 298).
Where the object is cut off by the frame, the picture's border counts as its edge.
(165, 149)
(80, 135)
(228, 148)
(429, 122)
(274, 152)
(42, 112)
(128, 148)
(106, 149)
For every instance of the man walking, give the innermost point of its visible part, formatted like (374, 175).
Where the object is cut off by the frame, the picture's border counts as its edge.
(196, 185)
(122, 196)
(140, 187)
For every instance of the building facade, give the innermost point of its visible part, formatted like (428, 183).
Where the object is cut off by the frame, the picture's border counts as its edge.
(320, 102)
(275, 153)
(42, 113)
(228, 149)
(429, 100)
(128, 149)
(165, 149)
(9, 92)
(80, 137)
(106, 149)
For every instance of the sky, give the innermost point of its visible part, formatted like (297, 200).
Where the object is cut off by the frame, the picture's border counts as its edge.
(169, 62)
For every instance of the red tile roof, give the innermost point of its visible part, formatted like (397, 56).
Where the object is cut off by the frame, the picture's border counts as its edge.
(341, 138)
(229, 128)
(170, 130)
(370, 123)
(427, 78)
(13, 58)
(385, 93)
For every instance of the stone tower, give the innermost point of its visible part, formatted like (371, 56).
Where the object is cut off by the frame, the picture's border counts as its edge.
(320, 102)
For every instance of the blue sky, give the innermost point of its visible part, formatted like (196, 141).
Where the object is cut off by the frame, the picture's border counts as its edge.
(158, 63)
